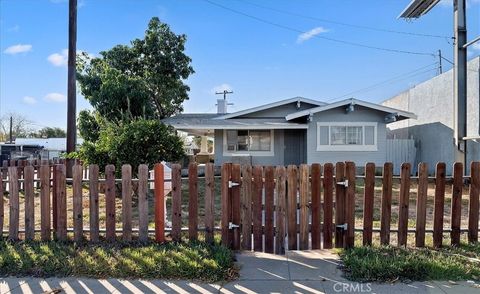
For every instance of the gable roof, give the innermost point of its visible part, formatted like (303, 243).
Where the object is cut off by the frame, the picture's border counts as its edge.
(271, 105)
(402, 114)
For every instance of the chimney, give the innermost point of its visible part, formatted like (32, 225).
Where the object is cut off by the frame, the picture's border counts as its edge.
(222, 106)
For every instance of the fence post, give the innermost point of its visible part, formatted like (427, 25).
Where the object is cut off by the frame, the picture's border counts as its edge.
(386, 217)
(403, 204)
(292, 180)
(327, 205)
(127, 202)
(142, 203)
(280, 208)
(257, 207)
(209, 202)
(45, 208)
(269, 203)
(368, 203)
(235, 196)
(2, 204)
(246, 204)
(350, 173)
(61, 197)
(456, 215)
(77, 174)
(93, 206)
(316, 204)
(110, 202)
(473, 202)
(14, 204)
(421, 204)
(226, 207)
(159, 203)
(439, 205)
(192, 201)
(28, 175)
(339, 204)
(176, 202)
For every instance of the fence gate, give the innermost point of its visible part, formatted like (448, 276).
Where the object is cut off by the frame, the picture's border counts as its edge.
(270, 209)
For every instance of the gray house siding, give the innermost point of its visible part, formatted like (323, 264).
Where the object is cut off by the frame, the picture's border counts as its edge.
(276, 159)
(432, 101)
(361, 114)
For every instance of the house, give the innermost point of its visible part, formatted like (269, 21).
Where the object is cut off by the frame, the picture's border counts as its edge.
(432, 131)
(294, 131)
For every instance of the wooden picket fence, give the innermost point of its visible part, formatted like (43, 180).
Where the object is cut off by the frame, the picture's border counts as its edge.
(270, 209)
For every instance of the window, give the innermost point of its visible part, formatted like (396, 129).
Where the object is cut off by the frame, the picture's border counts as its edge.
(238, 141)
(346, 136)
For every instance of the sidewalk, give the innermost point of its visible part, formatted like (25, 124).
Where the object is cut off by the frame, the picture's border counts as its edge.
(297, 272)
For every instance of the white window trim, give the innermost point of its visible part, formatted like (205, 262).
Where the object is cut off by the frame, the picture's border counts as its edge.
(363, 147)
(226, 152)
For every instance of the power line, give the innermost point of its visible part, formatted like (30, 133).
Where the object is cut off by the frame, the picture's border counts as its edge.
(317, 36)
(343, 23)
(395, 79)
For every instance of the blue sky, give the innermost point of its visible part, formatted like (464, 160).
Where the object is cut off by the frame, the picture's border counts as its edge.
(258, 52)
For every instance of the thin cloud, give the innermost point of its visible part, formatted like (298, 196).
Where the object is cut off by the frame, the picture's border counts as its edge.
(29, 100)
(59, 59)
(310, 34)
(14, 29)
(19, 48)
(55, 97)
(476, 46)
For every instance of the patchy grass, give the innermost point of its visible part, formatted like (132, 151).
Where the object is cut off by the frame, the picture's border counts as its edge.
(197, 260)
(387, 264)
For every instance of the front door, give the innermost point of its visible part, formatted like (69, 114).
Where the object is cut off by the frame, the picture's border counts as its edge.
(295, 151)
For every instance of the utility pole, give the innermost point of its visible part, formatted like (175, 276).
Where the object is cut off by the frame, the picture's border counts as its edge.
(460, 81)
(440, 68)
(71, 86)
(224, 92)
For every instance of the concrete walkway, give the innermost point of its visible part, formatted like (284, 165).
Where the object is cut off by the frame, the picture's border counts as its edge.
(297, 272)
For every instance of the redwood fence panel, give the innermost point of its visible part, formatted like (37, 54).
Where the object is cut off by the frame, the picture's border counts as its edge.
(403, 204)
(421, 204)
(292, 180)
(339, 204)
(209, 202)
(439, 204)
(159, 202)
(257, 193)
(327, 205)
(93, 171)
(386, 213)
(143, 202)
(316, 205)
(176, 202)
(281, 208)
(269, 208)
(127, 202)
(456, 212)
(473, 209)
(368, 203)
(280, 222)
(304, 210)
(246, 206)
(110, 202)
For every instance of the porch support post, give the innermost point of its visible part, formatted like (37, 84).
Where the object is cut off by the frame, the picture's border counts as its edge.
(204, 145)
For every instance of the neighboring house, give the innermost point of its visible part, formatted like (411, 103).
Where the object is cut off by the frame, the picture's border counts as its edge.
(295, 131)
(432, 101)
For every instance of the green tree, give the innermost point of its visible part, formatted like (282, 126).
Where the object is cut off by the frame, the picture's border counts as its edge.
(132, 88)
(145, 79)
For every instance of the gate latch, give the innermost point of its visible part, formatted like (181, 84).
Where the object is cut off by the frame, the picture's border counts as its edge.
(343, 226)
(232, 226)
(344, 183)
(232, 184)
